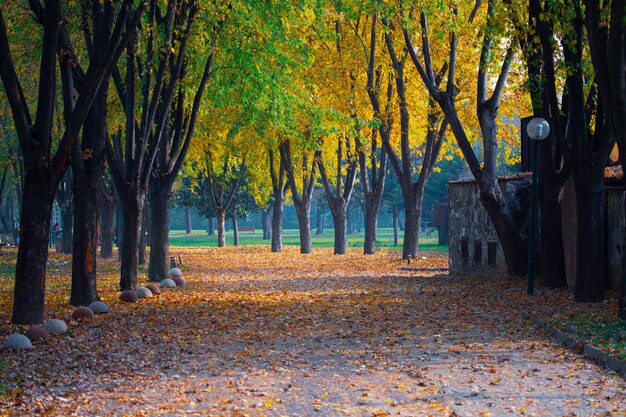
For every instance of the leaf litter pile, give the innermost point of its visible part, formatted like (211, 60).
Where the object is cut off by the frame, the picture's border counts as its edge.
(257, 333)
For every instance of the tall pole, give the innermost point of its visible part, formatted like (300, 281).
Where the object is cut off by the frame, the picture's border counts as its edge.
(534, 202)
(537, 129)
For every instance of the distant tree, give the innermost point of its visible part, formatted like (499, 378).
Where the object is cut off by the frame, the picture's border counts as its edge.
(301, 200)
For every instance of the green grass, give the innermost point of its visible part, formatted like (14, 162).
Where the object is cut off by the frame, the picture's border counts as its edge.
(606, 333)
(428, 241)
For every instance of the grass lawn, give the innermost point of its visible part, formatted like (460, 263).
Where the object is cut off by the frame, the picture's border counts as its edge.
(428, 241)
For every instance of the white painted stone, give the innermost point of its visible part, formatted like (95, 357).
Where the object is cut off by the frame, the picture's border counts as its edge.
(17, 341)
(168, 283)
(99, 307)
(180, 281)
(143, 292)
(55, 326)
(175, 272)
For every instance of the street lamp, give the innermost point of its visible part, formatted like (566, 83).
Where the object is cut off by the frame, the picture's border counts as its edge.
(537, 129)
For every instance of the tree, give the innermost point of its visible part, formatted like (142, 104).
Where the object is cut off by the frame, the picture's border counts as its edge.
(485, 174)
(604, 22)
(44, 167)
(87, 154)
(66, 207)
(106, 222)
(223, 185)
(339, 193)
(157, 71)
(301, 200)
(373, 177)
(412, 191)
(542, 81)
(172, 150)
(279, 192)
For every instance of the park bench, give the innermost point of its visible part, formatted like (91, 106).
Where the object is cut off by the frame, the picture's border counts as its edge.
(246, 229)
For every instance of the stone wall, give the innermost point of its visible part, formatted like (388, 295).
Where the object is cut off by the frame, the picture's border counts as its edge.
(474, 246)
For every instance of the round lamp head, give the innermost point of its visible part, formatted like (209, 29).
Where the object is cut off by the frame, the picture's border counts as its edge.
(538, 128)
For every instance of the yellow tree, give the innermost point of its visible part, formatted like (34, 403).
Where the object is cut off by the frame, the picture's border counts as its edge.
(415, 19)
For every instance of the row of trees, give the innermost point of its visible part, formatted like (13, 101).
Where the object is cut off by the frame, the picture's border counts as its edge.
(282, 96)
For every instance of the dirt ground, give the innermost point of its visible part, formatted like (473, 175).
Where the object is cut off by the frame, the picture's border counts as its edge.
(262, 334)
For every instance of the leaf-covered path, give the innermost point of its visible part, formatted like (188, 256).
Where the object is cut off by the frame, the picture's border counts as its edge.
(257, 333)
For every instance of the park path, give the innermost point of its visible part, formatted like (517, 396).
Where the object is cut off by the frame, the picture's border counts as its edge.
(283, 335)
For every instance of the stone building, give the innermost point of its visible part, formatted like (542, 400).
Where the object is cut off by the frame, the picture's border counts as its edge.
(474, 247)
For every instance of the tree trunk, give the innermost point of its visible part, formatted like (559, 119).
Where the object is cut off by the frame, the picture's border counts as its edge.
(159, 232)
(551, 269)
(119, 235)
(106, 227)
(188, 228)
(591, 250)
(513, 248)
(319, 220)
(349, 224)
(340, 219)
(32, 255)
(132, 217)
(235, 229)
(371, 225)
(86, 186)
(221, 226)
(143, 237)
(395, 215)
(411, 231)
(211, 227)
(277, 223)
(303, 211)
(267, 224)
(67, 219)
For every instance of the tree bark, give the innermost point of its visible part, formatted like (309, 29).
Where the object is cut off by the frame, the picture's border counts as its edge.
(319, 220)
(590, 251)
(143, 237)
(395, 227)
(515, 252)
(267, 224)
(188, 228)
(119, 225)
(410, 246)
(88, 172)
(85, 242)
(32, 255)
(277, 222)
(235, 229)
(340, 220)
(551, 252)
(67, 220)
(132, 218)
(371, 225)
(159, 232)
(303, 210)
(301, 201)
(106, 225)
(220, 215)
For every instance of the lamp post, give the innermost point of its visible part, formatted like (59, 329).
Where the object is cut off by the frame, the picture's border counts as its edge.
(537, 129)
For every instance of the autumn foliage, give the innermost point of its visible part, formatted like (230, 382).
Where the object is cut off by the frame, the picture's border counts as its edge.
(259, 333)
